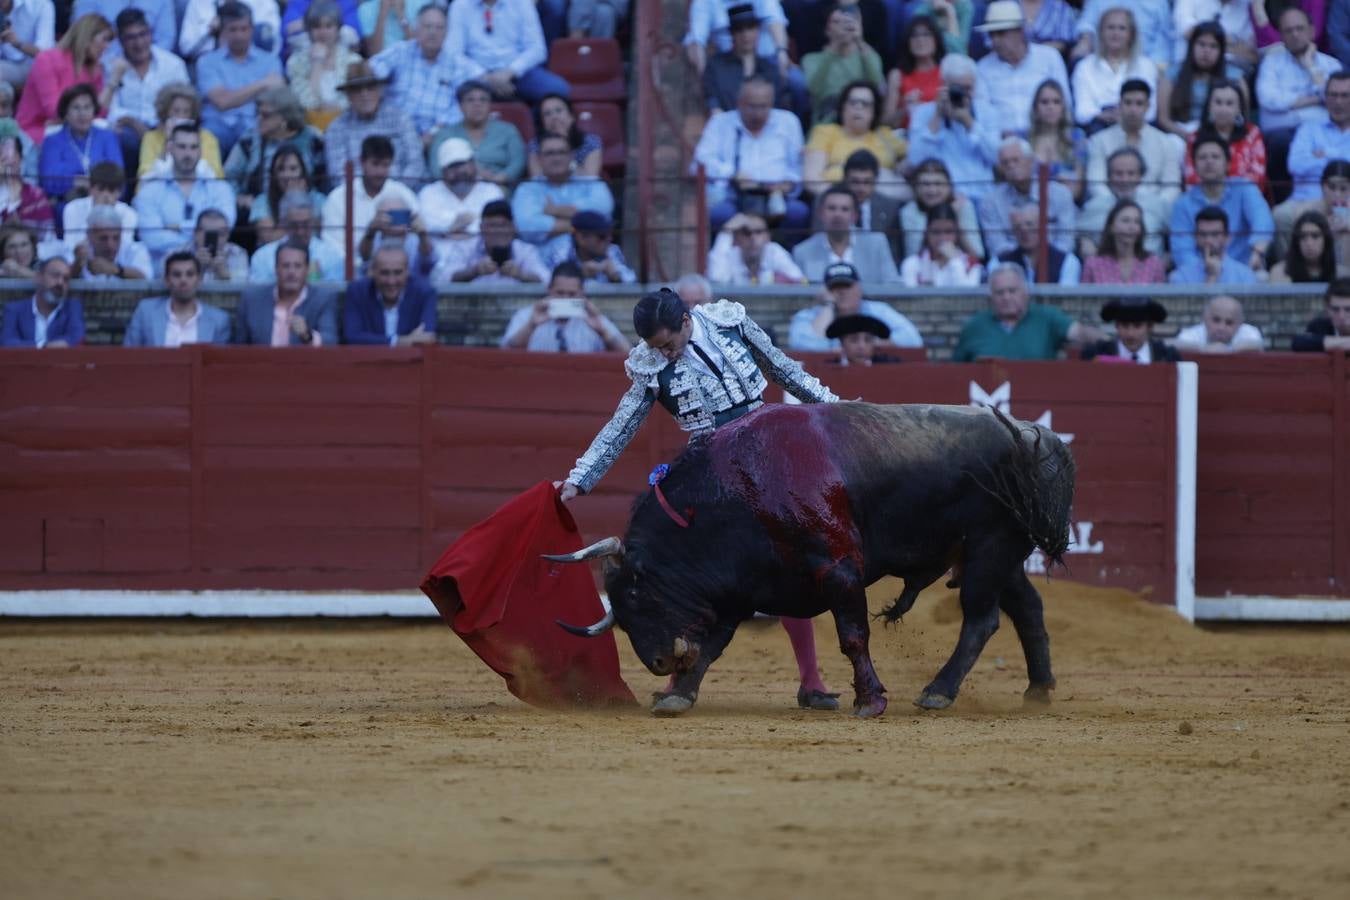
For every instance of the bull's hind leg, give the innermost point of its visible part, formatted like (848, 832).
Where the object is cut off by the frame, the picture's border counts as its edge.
(850, 620)
(1022, 602)
(983, 581)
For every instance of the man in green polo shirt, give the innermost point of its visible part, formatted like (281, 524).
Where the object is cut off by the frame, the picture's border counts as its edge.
(1015, 328)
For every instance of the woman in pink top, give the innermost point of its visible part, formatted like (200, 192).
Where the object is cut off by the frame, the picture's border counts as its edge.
(1121, 257)
(76, 58)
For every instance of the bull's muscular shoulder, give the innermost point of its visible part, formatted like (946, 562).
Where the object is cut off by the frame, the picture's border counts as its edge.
(724, 313)
(643, 362)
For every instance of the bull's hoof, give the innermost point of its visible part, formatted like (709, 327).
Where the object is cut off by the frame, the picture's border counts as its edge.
(869, 709)
(671, 705)
(931, 700)
(816, 699)
(1038, 695)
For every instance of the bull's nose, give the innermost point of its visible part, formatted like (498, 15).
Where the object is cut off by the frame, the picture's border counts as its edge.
(661, 665)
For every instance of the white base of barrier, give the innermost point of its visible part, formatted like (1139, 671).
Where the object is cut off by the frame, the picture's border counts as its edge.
(1270, 609)
(246, 604)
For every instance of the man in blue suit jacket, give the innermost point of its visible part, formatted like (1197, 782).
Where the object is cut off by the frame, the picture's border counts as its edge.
(180, 318)
(49, 318)
(291, 312)
(391, 307)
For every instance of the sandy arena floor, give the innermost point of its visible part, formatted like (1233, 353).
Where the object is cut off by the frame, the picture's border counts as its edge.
(328, 759)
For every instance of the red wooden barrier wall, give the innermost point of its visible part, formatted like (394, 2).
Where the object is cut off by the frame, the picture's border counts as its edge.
(352, 468)
(1273, 492)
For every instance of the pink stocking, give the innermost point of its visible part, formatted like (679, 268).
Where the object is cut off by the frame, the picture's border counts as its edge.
(802, 634)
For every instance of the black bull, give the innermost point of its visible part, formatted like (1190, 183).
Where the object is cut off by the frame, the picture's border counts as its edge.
(795, 510)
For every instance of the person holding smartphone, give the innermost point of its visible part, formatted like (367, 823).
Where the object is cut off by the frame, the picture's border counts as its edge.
(564, 321)
(497, 255)
(220, 259)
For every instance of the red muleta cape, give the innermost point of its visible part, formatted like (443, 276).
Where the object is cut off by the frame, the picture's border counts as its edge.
(496, 592)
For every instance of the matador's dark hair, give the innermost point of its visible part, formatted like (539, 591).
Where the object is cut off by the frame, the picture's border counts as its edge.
(657, 310)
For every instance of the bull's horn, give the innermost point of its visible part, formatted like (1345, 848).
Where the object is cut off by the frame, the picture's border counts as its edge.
(605, 624)
(610, 546)
(681, 647)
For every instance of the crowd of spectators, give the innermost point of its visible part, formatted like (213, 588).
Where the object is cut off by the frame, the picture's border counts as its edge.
(225, 129)
(1144, 121)
(1200, 142)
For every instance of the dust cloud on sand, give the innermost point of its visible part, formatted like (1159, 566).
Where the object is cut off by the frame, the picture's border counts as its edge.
(329, 759)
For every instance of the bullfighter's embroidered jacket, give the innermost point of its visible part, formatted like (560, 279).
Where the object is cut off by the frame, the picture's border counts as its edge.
(698, 399)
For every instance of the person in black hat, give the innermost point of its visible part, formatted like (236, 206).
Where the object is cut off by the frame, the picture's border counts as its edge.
(1134, 318)
(859, 336)
(726, 71)
(590, 248)
(843, 296)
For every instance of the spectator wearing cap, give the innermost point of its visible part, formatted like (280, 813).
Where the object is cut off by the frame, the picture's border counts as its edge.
(1061, 267)
(960, 129)
(591, 248)
(1329, 333)
(497, 255)
(1208, 259)
(876, 212)
(1222, 329)
(710, 25)
(301, 225)
(498, 149)
(1015, 328)
(839, 241)
(1292, 77)
(1134, 318)
(168, 201)
(451, 207)
(424, 72)
(392, 307)
(104, 255)
(181, 318)
(1153, 21)
(1157, 150)
(1316, 144)
(860, 336)
(744, 253)
(1019, 188)
(843, 296)
(32, 28)
(231, 76)
(368, 113)
(544, 206)
(1247, 216)
(751, 155)
(565, 321)
(941, 262)
(1010, 75)
(137, 77)
(49, 318)
(106, 183)
(728, 70)
(500, 43)
(372, 187)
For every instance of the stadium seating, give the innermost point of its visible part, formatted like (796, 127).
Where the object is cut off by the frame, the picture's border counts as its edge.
(519, 115)
(592, 66)
(605, 120)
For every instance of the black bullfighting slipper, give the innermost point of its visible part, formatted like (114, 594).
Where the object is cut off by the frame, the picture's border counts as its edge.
(816, 699)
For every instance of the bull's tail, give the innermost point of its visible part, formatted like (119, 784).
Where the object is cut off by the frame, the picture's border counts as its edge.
(1035, 484)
